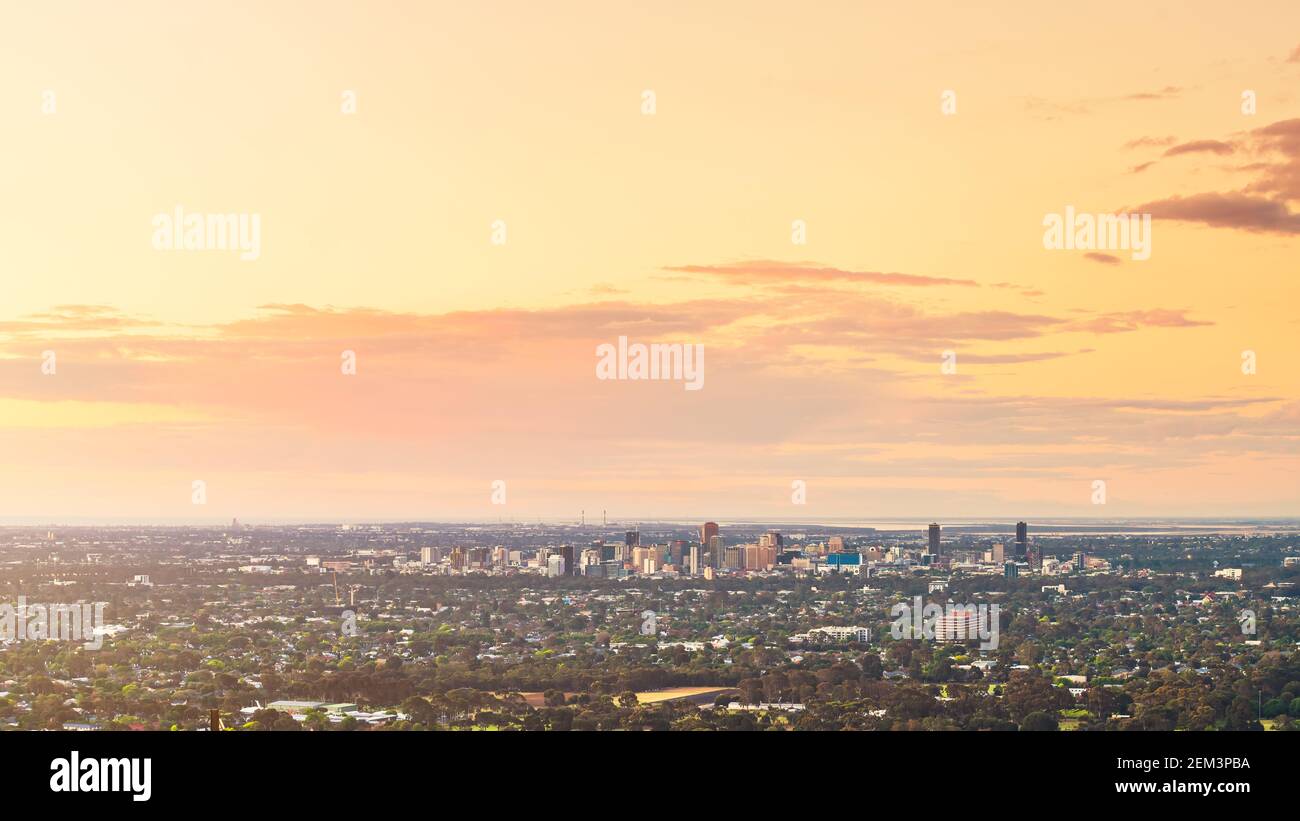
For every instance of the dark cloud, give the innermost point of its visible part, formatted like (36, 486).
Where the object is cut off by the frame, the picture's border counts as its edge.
(1266, 204)
(1104, 259)
(1241, 211)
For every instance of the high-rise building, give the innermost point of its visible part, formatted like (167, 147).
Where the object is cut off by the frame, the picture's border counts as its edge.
(554, 566)
(733, 558)
(632, 539)
(836, 545)
(427, 555)
(1022, 539)
(716, 552)
(707, 531)
(695, 559)
(1010, 570)
(759, 556)
(677, 552)
(935, 547)
(999, 553)
(957, 624)
(639, 556)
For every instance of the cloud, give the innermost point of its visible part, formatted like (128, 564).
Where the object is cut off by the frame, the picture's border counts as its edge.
(970, 358)
(1126, 321)
(802, 382)
(1150, 142)
(1240, 211)
(761, 272)
(1200, 147)
(1166, 93)
(1052, 110)
(63, 319)
(1279, 144)
(1104, 259)
(1263, 205)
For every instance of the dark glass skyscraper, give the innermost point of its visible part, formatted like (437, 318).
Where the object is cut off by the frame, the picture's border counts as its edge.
(936, 548)
(1022, 539)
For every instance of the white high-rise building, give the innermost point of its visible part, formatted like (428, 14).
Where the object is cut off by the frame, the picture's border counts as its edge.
(554, 566)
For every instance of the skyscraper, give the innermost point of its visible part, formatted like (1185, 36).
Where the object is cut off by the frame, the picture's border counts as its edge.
(1022, 539)
(707, 531)
(935, 547)
(733, 558)
(677, 552)
(716, 549)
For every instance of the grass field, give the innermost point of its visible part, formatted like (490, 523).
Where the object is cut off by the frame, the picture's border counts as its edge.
(697, 694)
(673, 693)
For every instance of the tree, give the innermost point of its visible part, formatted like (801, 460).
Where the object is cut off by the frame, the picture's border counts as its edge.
(1028, 692)
(1039, 722)
(872, 667)
(420, 711)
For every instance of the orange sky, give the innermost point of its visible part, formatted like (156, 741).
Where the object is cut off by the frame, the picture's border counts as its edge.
(475, 361)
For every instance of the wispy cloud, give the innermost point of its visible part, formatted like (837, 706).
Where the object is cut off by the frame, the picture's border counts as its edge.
(764, 271)
(1200, 147)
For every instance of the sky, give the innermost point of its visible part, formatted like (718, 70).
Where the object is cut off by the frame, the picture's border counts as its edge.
(843, 204)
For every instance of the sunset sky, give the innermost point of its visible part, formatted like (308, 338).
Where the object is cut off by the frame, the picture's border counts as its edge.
(476, 361)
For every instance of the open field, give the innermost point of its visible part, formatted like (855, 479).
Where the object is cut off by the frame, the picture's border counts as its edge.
(700, 695)
(697, 694)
